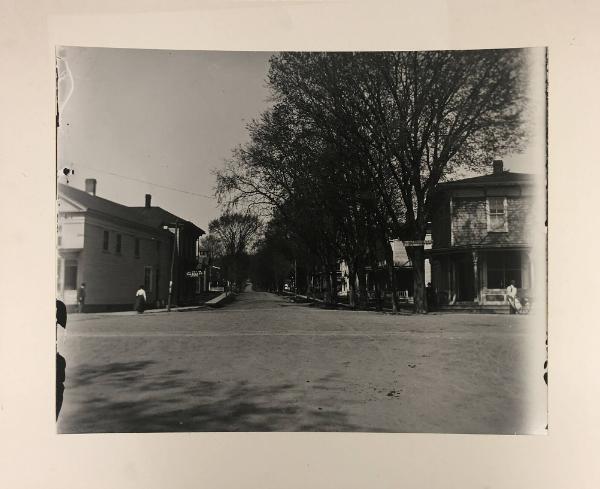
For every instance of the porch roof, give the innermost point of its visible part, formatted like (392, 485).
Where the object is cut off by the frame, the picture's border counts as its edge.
(477, 247)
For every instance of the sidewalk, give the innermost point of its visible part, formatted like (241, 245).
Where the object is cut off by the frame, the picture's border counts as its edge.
(74, 316)
(219, 301)
(343, 305)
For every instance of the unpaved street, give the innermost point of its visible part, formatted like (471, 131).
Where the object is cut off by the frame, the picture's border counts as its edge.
(265, 364)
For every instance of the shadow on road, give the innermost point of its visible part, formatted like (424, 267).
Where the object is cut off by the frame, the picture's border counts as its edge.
(134, 397)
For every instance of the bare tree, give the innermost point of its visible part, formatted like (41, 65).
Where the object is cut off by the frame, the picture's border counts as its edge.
(415, 118)
(236, 234)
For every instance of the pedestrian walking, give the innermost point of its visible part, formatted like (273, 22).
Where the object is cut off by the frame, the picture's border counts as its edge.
(511, 298)
(81, 297)
(431, 297)
(140, 300)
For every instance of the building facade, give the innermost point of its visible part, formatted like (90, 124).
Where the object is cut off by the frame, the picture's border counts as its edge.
(114, 249)
(403, 271)
(482, 236)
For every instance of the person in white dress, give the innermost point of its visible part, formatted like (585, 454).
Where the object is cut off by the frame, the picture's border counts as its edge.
(512, 299)
(140, 300)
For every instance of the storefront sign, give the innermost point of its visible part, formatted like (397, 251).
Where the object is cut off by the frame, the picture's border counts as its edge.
(417, 243)
(193, 273)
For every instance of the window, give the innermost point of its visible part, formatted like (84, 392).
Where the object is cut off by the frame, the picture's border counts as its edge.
(148, 279)
(137, 247)
(105, 241)
(70, 274)
(497, 221)
(118, 245)
(503, 267)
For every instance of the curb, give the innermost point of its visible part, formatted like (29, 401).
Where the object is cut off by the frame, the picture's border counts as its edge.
(221, 300)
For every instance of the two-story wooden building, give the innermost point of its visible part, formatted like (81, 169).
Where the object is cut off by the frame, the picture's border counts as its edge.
(482, 234)
(114, 249)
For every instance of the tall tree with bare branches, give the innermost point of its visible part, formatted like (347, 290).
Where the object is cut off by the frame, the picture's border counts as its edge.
(402, 122)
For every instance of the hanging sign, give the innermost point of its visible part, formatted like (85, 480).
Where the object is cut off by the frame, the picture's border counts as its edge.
(417, 242)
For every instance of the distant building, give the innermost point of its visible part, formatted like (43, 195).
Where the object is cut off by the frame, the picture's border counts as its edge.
(403, 270)
(482, 238)
(113, 249)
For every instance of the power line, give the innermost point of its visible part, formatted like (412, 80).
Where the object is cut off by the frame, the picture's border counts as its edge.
(147, 182)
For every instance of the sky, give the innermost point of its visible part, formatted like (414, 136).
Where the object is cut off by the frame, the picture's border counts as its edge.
(165, 117)
(141, 120)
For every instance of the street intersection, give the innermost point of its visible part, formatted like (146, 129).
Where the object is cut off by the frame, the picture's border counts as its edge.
(264, 363)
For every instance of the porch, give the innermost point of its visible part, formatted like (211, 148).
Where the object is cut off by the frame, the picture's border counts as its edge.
(474, 278)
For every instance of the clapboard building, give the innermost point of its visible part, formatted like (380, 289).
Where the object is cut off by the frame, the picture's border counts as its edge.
(482, 239)
(114, 248)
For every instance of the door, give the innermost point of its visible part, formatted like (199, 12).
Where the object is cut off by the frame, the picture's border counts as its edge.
(465, 279)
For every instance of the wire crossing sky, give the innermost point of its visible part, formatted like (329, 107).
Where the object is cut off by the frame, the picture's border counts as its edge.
(157, 122)
(160, 122)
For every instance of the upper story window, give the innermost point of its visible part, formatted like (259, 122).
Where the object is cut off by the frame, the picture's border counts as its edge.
(497, 220)
(137, 247)
(118, 245)
(105, 241)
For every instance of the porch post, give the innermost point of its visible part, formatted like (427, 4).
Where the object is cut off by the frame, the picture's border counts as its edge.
(476, 277)
(453, 287)
(531, 276)
(449, 284)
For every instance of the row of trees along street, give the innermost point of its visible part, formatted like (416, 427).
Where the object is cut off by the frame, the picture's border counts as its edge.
(231, 237)
(352, 149)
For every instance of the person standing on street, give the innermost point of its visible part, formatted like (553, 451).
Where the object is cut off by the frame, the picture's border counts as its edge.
(140, 300)
(511, 298)
(81, 297)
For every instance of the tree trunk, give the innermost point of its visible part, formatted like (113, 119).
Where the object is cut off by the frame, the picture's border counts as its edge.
(363, 300)
(352, 285)
(308, 284)
(417, 258)
(333, 287)
(392, 277)
(328, 296)
(378, 289)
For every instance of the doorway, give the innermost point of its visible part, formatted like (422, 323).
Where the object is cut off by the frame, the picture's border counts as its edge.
(465, 279)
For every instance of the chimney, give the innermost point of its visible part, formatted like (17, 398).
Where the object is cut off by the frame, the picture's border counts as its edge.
(90, 186)
(148, 200)
(498, 167)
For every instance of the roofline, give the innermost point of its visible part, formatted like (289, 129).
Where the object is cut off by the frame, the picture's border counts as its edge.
(458, 183)
(180, 219)
(484, 247)
(138, 225)
(134, 223)
(106, 216)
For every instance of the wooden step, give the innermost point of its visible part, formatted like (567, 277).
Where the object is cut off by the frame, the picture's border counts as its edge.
(475, 308)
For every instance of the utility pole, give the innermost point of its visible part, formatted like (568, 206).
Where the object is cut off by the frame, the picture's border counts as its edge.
(175, 244)
(295, 277)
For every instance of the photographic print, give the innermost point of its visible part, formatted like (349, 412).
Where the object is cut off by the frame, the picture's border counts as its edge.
(301, 241)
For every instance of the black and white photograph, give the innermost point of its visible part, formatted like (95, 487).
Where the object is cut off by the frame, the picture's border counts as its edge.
(301, 241)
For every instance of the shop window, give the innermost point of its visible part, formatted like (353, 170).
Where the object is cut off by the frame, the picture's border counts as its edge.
(502, 268)
(496, 213)
(105, 241)
(70, 274)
